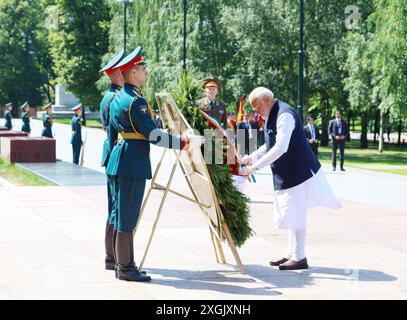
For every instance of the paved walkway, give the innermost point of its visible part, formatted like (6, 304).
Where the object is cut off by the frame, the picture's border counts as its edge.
(51, 245)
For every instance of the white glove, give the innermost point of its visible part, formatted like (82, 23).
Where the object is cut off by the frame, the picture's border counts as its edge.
(195, 141)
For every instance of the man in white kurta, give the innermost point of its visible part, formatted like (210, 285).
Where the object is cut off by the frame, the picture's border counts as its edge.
(299, 182)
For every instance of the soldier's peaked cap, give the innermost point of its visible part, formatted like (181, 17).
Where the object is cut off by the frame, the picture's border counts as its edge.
(47, 106)
(109, 67)
(132, 59)
(24, 105)
(212, 81)
(78, 106)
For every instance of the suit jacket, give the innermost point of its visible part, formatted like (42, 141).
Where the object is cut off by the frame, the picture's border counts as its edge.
(308, 133)
(334, 128)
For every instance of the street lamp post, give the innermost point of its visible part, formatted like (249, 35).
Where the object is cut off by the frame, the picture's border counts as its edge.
(184, 55)
(126, 2)
(300, 101)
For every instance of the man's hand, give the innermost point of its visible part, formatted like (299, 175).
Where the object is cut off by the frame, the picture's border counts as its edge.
(246, 160)
(311, 141)
(248, 170)
(338, 138)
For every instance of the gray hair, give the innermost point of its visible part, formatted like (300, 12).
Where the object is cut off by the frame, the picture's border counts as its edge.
(260, 93)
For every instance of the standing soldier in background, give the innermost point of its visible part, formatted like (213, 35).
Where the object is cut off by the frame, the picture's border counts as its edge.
(25, 117)
(47, 121)
(7, 115)
(76, 140)
(117, 82)
(215, 108)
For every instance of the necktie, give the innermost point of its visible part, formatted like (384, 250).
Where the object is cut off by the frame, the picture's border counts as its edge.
(339, 126)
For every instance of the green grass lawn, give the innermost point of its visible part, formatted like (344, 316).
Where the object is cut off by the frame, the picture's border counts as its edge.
(89, 123)
(370, 158)
(21, 177)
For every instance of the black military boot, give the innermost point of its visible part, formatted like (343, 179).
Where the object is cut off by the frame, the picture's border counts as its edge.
(109, 236)
(126, 268)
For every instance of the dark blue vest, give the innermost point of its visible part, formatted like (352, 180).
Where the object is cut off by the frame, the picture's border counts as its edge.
(299, 163)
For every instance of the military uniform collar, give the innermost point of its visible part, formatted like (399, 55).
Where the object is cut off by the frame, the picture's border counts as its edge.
(133, 88)
(114, 87)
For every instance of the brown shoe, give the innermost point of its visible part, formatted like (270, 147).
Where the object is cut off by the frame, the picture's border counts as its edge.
(294, 265)
(277, 263)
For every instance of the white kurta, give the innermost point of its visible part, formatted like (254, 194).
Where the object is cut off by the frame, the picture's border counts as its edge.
(290, 205)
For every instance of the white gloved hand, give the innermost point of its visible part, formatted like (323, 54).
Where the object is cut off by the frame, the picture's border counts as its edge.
(195, 141)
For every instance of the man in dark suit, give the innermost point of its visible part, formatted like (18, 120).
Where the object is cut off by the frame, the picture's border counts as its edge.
(312, 134)
(338, 129)
(249, 136)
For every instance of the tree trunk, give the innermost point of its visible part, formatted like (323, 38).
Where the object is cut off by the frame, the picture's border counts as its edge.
(381, 133)
(400, 127)
(376, 125)
(324, 118)
(363, 135)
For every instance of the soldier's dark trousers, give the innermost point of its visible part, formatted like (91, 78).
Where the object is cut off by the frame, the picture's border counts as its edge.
(129, 199)
(335, 145)
(76, 151)
(111, 219)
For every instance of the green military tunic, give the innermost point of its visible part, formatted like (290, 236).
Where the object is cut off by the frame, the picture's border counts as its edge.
(216, 109)
(8, 117)
(76, 140)
(26, 122)
(132, 126)
(105, 118)
(47, 124)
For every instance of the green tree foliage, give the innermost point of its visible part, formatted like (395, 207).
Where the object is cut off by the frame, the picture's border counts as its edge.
(78, 45)
(24, 63)
(388, 48)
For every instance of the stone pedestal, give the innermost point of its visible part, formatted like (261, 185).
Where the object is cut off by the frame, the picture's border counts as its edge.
(8, 134)
(28, 149)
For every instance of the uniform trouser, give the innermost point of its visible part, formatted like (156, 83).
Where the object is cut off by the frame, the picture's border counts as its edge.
(335, 145)
(129, 200)
(111, 217)
(76, 151)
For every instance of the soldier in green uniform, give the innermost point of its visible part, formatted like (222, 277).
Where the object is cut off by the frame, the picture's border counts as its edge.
(76, 140)
(132, 129)
(215, 108)
(7, 115)
(117, 82)
(25, 117)
(47, 121)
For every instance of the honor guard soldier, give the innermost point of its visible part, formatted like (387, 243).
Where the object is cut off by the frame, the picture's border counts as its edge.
(25, 117)
(117, 82)
(76, 140)
(7, 115)
(47, 121)
(215, 108)
(132, 129)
